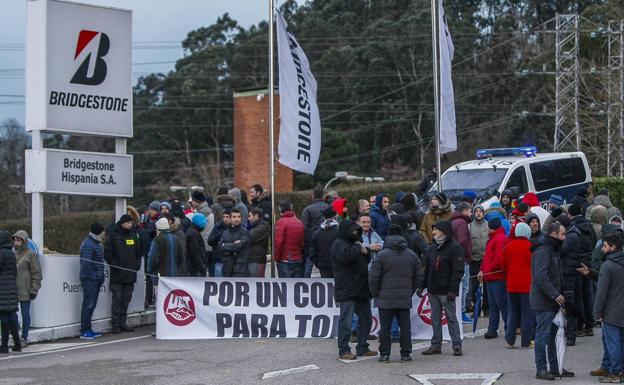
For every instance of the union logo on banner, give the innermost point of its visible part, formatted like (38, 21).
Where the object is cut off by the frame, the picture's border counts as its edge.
(179, 307)
(424, 311)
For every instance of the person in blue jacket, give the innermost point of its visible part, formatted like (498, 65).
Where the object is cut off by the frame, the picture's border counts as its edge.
(379, 215)
(91, 278)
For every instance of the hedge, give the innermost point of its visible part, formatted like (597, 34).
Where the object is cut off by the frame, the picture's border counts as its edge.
(615, 185)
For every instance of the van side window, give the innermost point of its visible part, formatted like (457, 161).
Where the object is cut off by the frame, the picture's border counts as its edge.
(556, 173)
(518, 179)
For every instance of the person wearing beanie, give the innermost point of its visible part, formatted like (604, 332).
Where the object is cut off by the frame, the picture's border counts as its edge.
(165, 208)
(322, 240)
(289, 243)
(479, 234)
(122, 251)
(195, 248)
(259, 234)
(395, 275)
(443, 272)
(534, 206)
(555, 208)
(440, 210)
(240, 205)
(582, 199)
(493, 274)
(28, 278)
(517, 267)
(340, 207)
(166, 255)
(469, 197)
(379, 215)
(200, 205)
(461, 232)
(91, 278)
(506, 201)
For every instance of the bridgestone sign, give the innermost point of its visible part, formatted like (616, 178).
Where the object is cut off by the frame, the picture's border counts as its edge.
(78, 173)
(79, 69)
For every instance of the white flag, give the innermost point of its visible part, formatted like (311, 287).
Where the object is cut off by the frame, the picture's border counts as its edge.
(448, 134)
(300, 124)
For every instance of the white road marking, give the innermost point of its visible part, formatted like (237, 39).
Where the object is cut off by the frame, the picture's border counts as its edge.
(477, 333)
(418, 346)
(89, 345)
(285, 372)
(488, 378)
(37, 348)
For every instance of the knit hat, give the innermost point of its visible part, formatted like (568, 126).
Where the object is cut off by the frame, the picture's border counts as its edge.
(523, 230)
(556, 200)
(222, 190)
(163, 224)
(166, 204)
(463, 206)
(399, 220)
(97, 229)
(329, 213)
(441, 197)
(530, 199)
(517, 213)
(155, 205)
(494, 223)
(575, 209)
(235, 192)
(198, 196)
(470, 194)
(124, 218)
(339, 205)
(199, 220)
(395, 230)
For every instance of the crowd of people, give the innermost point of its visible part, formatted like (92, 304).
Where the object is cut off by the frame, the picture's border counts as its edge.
(525, 261)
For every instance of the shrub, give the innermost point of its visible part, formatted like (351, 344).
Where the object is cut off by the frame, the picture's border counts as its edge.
(615, 185)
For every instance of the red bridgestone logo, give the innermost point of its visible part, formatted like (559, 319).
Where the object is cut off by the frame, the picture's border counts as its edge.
(179, 307)
(424, 311)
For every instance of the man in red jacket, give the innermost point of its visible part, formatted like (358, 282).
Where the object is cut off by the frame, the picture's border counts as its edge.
(461, 232)
(517, 266)
(492, 273)
(289, 243)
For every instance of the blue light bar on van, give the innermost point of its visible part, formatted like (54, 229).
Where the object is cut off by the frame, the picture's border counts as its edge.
(510, 151)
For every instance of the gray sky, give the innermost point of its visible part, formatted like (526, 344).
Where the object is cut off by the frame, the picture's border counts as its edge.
(159, 26)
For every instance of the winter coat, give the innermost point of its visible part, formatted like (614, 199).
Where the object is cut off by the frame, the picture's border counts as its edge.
(8, 274)
(350, 265)
(371, 238)
(123, 248)
(289, 238)
(432, 216)
(608, 303)
(320, 246)
(444, 264)
(91, 260)
(214, 239)
(28, 270)
(461, 233)
(416, 242)
(221, 203)
(195, 257)
(312, 216)
(605, 201)
(547, 279)
(587, 238)
(493, 257)
(259, 235)
(410, 203)
(569, 256)
(598, 256)
(166, 255)
(395, 275)
(479, 235)
(509, 208)
(517, 265)
(380, 220)
(264, 203)
(210, 222)
(598, 217)
(235, 253)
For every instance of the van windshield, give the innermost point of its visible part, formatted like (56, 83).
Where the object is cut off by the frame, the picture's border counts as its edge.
(482, 181)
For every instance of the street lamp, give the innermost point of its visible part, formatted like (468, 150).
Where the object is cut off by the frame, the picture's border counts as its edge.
(345, 175)
(338, 175)
(190, 189)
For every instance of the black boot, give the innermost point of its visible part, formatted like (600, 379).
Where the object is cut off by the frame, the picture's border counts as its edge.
(4, 348)
(17, 342)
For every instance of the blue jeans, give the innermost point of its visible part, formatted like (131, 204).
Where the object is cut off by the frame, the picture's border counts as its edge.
(218, 269)
(90, 294)
(25, 309)
(290, 269)
(545, 334)
(308, 268)
(497, 298)
(465, 287)
(614, 342)
(519, 307)
(363, 310)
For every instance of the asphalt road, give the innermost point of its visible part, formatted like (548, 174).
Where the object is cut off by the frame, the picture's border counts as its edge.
(138, 358)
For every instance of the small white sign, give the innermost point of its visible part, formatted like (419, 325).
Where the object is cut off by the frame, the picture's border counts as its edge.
(488, 378)
(78, 69)
(78, 173)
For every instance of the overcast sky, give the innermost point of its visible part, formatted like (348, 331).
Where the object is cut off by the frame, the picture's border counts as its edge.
(160, 23)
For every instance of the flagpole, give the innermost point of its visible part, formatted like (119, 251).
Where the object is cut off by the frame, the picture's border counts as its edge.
(436, 88)
(272, 133)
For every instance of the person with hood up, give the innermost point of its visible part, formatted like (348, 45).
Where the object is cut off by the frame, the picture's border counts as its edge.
(582, 198)
(609, 308)
(340, 207)
(312, 217)
(165, 208)
(234, 247)
(546, 299)
(240, 205)
(223, 201)
(91, 278)
(443, 271)
(479, 234)
(493, 274)
(410, 202)
(379, 215)
(28, 278)
(394, 277)
(397, 206)
(603, 200)
(261, 198)
(289, 243)
(598, 217)
(321, 243)
(153, 214)
(534, 206)
(495, 210)
(259, 233)
(506, 202)
(533, 220)
(349, 259)
(440, 211)
(122, 251)
(195, 255)
(517, 267)
(461, 232)
(569, 255)
(8, 294)
(587, 243)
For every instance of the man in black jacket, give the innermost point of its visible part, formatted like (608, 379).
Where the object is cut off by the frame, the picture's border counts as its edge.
(322, 240)
(444, 269)
(572, 280)
(546, 298)
(259, 234)
(234, 247)
(261, 199)
(214, 240)
(394, 277)
(122, 251)
(195, 247)
(350, 265)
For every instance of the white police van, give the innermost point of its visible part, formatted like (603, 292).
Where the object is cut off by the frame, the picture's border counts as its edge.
(520, 169)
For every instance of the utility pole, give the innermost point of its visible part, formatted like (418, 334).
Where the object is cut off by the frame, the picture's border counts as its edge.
(614, 101)
(567, 129)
